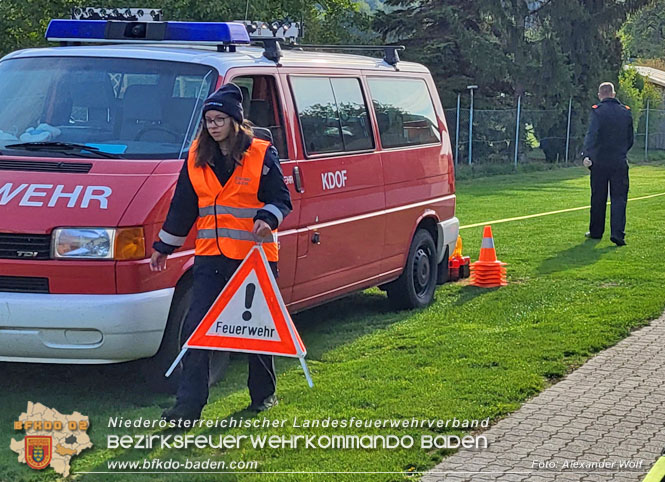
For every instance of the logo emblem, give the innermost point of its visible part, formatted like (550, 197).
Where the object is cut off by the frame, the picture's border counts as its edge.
(38, 451)
(27, 254)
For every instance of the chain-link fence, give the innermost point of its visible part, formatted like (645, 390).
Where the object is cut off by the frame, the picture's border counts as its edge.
(522, 135)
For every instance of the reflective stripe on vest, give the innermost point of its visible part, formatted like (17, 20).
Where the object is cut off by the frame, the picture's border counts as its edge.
(236, 212)
(226, 213)
(232, 234)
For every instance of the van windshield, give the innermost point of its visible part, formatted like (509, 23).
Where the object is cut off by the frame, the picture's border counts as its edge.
(134, 108)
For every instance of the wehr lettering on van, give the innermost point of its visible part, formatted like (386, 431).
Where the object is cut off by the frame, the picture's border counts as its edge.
(35, 195)
(333, 180)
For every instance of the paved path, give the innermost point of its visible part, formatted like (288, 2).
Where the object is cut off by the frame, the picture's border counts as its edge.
(612, 409)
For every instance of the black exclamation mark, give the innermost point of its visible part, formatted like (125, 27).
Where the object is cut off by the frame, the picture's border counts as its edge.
(249, 296)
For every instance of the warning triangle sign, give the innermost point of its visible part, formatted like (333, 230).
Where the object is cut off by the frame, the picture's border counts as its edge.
(249, 315)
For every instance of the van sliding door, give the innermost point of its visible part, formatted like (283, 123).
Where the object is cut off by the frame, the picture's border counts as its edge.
(341, 224)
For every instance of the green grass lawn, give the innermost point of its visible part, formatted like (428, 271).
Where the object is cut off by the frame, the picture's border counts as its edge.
(475, 353)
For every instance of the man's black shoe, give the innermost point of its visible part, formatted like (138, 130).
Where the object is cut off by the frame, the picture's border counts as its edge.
(181, 411)
(266, 404)
(618, 242)
(588, 235)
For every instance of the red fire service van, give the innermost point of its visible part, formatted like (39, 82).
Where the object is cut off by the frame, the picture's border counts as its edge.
(93, 134)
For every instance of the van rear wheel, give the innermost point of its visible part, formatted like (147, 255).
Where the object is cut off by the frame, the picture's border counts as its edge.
(415, 286)
(154, 368)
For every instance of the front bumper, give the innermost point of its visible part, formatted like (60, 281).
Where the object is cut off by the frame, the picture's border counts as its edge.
(447, 231)
(82, 329)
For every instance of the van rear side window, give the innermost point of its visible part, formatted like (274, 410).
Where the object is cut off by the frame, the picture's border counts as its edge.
(404, 112)
(333, 114)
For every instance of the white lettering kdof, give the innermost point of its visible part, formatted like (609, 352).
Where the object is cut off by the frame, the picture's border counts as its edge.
(333, 180)
(36, 195)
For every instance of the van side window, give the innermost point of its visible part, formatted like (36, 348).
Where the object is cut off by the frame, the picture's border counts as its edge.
(333, 114)
(262, 107)
(404, 112)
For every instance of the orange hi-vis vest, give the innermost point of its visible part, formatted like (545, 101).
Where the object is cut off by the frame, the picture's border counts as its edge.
(226, 213)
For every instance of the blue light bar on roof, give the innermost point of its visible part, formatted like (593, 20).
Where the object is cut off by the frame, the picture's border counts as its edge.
(76, 29)
(106, 31)
(215, 32)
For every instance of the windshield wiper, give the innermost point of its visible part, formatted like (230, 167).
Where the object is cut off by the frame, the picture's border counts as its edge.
(63, 146)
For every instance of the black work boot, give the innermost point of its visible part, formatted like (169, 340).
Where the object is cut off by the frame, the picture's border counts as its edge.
(263, 405)
(618, 242)
(181, 411)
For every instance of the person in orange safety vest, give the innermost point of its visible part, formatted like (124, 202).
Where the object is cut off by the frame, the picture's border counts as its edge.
(232, 186)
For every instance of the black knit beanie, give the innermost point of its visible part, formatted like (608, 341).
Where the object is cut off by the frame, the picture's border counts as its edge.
(227, 99)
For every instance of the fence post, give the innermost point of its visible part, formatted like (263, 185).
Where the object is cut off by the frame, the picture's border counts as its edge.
(570, 111)
(646, 135)
(459, 97)
(471, 89)
(517, 129)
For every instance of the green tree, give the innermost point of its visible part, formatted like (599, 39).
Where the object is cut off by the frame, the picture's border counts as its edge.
(643, 34)
(23, 22)
(635, 92)
(546, 51)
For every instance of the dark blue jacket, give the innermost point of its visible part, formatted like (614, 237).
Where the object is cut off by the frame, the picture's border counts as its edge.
(610, 133)
(184, 209)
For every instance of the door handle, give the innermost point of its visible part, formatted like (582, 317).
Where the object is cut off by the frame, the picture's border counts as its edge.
(316, 238)
(297, 180)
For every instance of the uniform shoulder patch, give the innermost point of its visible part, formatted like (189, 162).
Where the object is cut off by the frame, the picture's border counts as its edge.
(594, 106)
(627, 107)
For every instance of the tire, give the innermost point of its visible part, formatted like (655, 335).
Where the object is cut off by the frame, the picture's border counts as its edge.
(154, 368)
(415, 287)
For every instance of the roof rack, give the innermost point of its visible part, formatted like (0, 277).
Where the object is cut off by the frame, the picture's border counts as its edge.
(145, 26)
(390, 54)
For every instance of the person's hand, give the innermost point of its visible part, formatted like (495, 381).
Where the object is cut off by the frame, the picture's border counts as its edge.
(261, 230)
(587, 162)
(158, 261)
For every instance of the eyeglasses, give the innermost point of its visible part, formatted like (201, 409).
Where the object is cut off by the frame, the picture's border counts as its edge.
(218, 121)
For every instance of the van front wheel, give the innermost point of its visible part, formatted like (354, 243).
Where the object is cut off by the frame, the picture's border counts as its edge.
(415, 287)
(154, 368)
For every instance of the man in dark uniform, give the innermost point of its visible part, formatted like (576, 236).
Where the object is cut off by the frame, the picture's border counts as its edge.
(606, 145)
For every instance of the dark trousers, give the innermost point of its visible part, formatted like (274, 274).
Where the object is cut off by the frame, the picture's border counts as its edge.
(616, 177)
(211, 273)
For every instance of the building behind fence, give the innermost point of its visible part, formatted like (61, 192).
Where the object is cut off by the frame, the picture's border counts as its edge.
(522, 135)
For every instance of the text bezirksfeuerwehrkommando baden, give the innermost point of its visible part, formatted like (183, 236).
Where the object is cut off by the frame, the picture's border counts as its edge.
(259, 441)
(294, 441)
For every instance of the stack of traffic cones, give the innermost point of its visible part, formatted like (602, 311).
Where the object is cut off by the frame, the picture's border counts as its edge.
(458, 265)
(488, 272)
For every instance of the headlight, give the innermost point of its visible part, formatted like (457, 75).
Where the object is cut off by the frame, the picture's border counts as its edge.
(98, 243)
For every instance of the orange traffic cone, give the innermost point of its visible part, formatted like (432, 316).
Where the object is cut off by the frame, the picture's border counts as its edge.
(458, 264)
(488, 272)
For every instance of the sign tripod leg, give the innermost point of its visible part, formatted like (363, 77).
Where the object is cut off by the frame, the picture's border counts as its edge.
(305, 369)
(175, 362)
